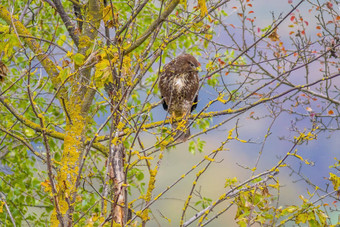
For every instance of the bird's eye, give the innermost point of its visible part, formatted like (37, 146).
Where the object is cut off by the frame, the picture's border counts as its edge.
(192, 64)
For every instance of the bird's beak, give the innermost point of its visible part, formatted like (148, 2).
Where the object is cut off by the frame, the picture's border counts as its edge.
(198, 69)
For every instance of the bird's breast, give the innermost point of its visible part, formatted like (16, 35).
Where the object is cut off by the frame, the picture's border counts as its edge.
(179, 83)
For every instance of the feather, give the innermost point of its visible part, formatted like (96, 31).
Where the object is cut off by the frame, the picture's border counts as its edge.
(165, 106)
(178, 85)
(194, 104)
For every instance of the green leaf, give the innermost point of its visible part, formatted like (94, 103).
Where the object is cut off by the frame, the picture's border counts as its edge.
(301, 218)
(139, 175)
(192, 147)
(64, 73)
(200, 145)
(78, 59)
(230, 182)
(322, 217)
(29, 132)
(61, 40)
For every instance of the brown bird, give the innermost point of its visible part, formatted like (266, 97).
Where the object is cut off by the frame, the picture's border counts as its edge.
(179, 85)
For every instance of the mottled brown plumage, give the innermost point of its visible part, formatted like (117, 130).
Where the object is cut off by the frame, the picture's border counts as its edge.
(179, 85)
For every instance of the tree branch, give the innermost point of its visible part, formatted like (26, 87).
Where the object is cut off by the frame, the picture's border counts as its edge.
(90, 30)
(242, 109)
(3, 199)
(93, 19)
(168, 10)
(23, 141)
(29, 123)
(41, 39)
(46, 62)
(50, 3)
(232, 193)
(227, 111)
(37, 128)
(138, 10)
(69, 25)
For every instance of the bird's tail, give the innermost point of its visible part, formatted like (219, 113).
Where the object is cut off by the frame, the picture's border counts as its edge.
(182, 130)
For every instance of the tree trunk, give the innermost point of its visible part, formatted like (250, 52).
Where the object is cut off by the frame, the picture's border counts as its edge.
(119, 207)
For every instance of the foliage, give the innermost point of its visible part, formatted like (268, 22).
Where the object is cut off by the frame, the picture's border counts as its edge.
(83, 139)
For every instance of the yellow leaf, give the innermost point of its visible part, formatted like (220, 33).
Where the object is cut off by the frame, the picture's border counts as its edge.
(276, 186)
(107, 15)
(1, 206)
(69, 53)
(291, 209)
(203, 7)
(184, 3)
(302, 218)
(274, 36)
(335, 180)
(103, 73)
(46, 184)
(208, 36)
(84, 41)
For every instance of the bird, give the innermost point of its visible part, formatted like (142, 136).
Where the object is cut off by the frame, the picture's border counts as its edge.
(179, 85)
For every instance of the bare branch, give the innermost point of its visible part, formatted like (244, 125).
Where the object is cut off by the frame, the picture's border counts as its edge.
(67, 21)
(3, 199)
(167, 11)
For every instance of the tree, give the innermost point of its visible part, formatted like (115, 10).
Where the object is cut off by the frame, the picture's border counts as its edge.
(80, 101)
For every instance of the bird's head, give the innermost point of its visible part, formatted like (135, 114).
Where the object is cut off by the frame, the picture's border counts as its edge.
(190, 63)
